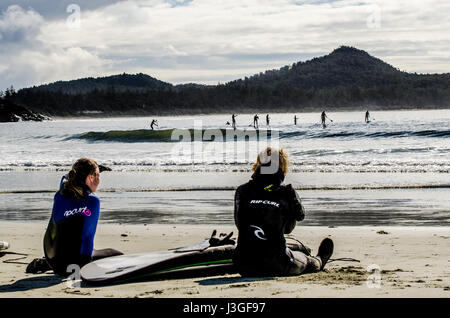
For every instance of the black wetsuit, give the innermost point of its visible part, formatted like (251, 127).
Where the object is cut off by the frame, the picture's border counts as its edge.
(264, 211)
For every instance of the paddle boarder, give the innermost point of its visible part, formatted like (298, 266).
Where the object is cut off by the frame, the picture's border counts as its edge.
(255, 121)
(154, 122)
(233, 121)
(367, 117)
(323, 117)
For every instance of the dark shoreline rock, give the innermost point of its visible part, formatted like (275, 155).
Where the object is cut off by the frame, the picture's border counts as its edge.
(10, 112)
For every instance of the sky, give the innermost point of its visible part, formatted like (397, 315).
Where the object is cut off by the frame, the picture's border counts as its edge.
(210, 42)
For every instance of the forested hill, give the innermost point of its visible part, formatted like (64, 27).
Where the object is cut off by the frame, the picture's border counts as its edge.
(345, 66)
(118, 83)
(345, 79)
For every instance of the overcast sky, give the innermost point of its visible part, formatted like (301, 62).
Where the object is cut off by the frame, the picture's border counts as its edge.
(207, 41)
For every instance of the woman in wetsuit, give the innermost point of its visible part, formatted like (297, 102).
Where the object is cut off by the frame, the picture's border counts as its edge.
(265, 210)
(69, 238)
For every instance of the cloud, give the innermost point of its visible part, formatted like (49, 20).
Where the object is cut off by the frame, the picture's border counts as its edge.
(17, 25)
(211, 41)
(27, 59)
(51, 9)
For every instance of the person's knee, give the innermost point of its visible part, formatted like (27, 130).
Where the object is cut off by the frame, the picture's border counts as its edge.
(111, 252)
(300, 260)
(314, 264)
(106, 252)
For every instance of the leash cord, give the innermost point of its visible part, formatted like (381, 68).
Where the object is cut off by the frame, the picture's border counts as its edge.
(14, 260)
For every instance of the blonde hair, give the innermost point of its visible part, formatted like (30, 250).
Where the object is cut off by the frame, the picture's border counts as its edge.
(265, 156)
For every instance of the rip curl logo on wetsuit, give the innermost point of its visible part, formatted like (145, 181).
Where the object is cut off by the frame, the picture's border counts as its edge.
(259, 233)
(265, 202)
(84, 210)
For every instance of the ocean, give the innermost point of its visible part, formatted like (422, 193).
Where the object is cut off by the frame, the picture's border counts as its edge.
(391, 171)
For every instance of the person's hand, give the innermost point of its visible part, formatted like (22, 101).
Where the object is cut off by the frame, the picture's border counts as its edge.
(223, 239)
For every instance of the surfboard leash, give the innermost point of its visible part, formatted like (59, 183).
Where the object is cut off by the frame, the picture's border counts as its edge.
(343, 259)
(14, 260)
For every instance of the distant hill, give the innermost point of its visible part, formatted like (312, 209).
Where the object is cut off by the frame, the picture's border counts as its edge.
(343, 67)
(119, 83)
(347, 78)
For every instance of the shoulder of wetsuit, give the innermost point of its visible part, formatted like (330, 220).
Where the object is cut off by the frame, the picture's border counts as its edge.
(295, 202)
(93, 197)
(93, 202)
(292, 192)
(243, 188)
(286, 189)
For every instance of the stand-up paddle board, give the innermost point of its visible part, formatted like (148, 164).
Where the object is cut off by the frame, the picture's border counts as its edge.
(144, 265)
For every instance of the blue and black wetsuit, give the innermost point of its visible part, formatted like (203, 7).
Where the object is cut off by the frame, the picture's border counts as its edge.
(69, 238)
(89, 209)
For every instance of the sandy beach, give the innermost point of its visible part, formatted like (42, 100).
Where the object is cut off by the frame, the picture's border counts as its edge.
(412, 262)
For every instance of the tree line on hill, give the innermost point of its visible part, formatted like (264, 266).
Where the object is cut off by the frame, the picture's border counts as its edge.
(345, 79)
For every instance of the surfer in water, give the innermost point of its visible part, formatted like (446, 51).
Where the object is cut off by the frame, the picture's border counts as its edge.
(295, 120)
(264, 211)
(69, 238)
(323, 117)
(255, 121)
(267, 120)
(154, 122)
(367, 117)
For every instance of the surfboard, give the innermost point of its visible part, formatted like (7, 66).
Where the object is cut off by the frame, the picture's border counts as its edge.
(147, 265)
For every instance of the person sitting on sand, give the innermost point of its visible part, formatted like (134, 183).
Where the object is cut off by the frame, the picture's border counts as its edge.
(69, 238)
(265, 209)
